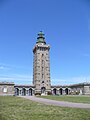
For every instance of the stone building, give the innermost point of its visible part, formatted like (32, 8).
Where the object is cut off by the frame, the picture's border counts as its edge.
(41, 77)
(7, 88)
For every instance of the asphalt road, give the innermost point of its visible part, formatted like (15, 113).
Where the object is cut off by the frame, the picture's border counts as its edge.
(57, 103)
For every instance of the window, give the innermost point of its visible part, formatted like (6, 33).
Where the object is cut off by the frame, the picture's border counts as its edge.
(42, 75)
(42, 61)
(42, 69)
(5, 90)
(10, 89)
(42, 55)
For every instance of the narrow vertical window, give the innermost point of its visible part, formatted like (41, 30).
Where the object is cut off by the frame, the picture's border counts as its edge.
(42, 61)
(42, 69)
(42, 55)
(42, 75)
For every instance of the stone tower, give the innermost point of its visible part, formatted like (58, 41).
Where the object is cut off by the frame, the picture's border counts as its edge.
(41, 66)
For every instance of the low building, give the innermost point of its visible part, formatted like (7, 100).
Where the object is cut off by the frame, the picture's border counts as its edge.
(7, 88)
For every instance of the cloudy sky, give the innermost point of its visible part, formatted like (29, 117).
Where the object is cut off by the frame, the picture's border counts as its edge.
(66, 24)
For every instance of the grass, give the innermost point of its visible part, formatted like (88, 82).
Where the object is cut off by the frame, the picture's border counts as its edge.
(77, 99)
(15, 108)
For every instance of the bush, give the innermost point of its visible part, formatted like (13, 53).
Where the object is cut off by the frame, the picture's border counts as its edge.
(77, 93)
(74, 93)
(38, 94)
(49, 93)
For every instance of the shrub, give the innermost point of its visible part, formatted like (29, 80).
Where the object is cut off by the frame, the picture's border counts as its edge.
(49, 93)
(74, 93)
(38, 94)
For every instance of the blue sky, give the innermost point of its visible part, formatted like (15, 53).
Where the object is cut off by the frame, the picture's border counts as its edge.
(66, 24)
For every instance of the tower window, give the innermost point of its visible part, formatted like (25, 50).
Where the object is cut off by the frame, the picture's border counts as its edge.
(42, 81)
(42, 75)
(42, 61)
(42, 55)
(42, 68)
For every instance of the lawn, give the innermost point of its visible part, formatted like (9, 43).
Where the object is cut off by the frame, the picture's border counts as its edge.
(15, 108)
(77, 99)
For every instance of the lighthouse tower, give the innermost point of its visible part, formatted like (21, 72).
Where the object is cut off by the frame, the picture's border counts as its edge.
(41, 66)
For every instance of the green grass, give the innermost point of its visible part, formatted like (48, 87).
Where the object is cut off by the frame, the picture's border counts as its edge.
(15, 108)
(77, 99)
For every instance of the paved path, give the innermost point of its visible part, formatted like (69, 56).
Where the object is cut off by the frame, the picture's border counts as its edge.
(57, 103)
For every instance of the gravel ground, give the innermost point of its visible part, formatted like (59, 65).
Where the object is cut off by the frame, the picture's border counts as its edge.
(57, 103)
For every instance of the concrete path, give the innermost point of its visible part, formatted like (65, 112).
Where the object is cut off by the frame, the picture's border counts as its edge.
(57, 103)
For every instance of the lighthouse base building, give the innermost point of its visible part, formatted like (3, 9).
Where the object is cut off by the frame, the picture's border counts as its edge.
(41, 84)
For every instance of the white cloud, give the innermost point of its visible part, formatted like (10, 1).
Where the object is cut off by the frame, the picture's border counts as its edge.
(3, 67)
(72, 80)
(27, 79)
(17, 78)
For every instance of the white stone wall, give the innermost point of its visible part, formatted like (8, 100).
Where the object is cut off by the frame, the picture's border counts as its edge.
(87, 90)
(6, 89)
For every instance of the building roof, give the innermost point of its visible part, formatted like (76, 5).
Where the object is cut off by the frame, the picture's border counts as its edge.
(20, 85)
(6, 83)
